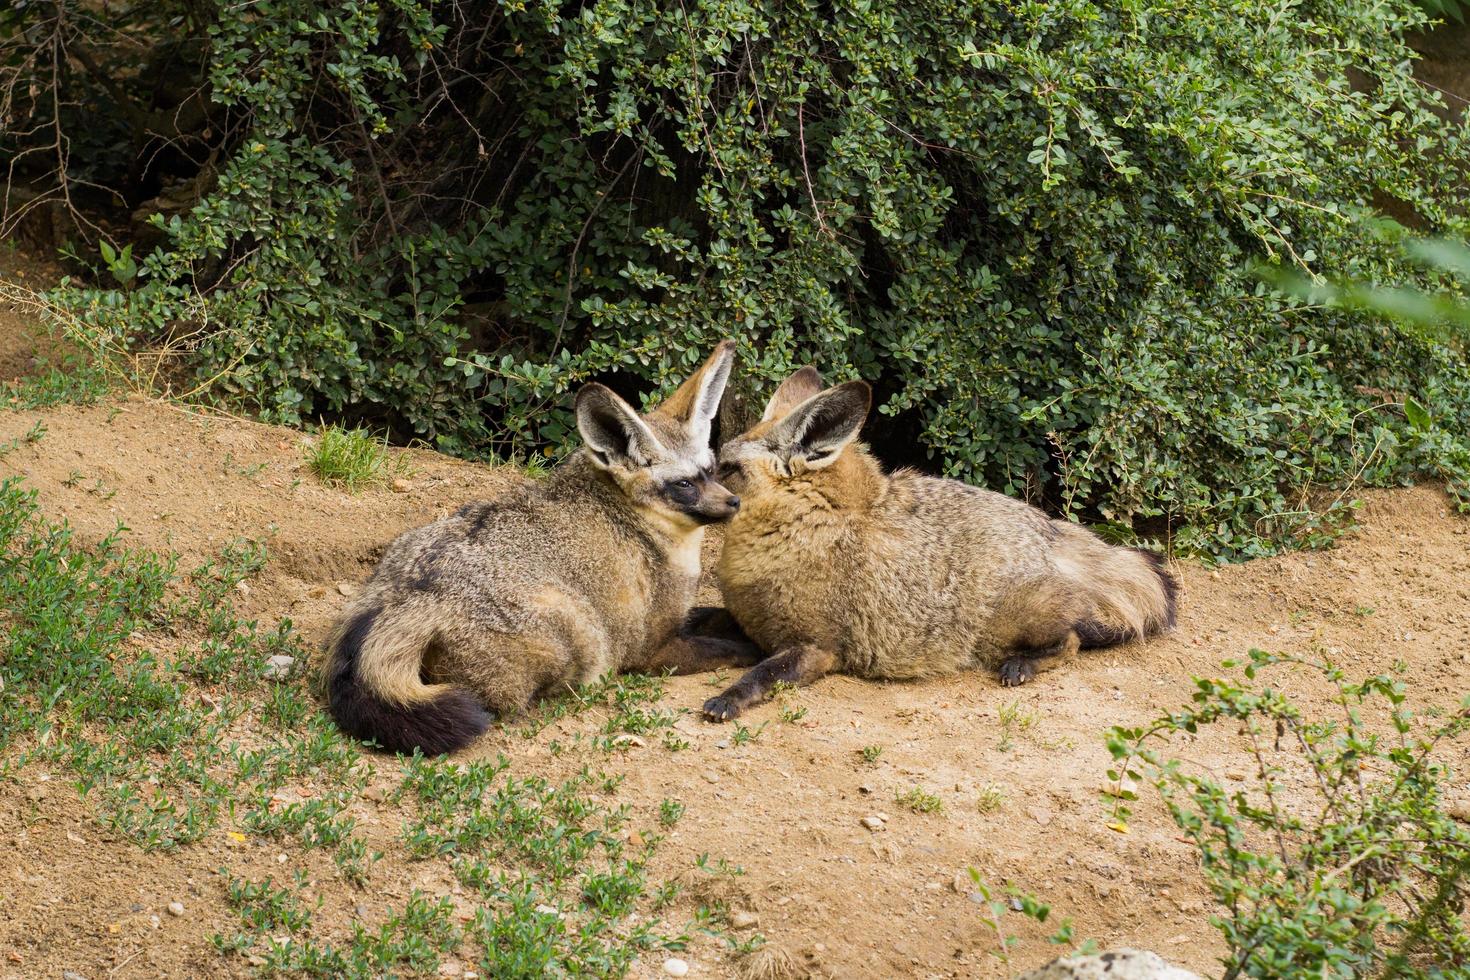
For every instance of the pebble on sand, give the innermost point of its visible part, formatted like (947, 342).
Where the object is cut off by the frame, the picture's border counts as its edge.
(175, 909)
(676, 967)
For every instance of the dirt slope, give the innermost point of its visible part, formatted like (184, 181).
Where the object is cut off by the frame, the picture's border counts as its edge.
(786, 806)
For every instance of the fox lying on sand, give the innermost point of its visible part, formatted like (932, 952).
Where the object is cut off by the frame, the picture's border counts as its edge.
(833, 566)
(589, 570)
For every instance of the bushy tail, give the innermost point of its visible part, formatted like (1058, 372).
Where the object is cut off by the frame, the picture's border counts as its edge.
(374, 690)
(1130, 590)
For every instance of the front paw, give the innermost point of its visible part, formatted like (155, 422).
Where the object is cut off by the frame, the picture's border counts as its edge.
(721, 708)
(1016, 671)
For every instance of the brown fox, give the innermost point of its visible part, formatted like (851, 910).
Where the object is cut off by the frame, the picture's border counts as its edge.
(834, 566)
(589, 570)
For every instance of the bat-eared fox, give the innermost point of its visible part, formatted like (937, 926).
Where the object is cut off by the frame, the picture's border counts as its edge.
(589, 570)
(831, 565)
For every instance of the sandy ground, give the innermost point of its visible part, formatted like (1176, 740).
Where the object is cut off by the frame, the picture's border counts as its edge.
(787, 806)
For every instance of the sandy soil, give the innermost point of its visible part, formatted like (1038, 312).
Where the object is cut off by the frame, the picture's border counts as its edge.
(847, 901)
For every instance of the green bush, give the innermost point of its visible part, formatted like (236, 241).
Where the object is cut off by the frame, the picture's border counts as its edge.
(1027, 222)
(1337, 857)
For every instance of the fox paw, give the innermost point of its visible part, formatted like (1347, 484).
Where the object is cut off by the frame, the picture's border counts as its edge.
(720, 709)
(1016, 671)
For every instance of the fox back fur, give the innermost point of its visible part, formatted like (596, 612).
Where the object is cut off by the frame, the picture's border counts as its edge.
(589, 570)
(834, 566)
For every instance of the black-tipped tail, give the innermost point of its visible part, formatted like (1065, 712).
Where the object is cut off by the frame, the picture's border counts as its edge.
(1093, 634)
(1167, 582)
(445, 723)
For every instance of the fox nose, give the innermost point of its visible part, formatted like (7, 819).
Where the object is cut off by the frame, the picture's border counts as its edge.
(733, 503)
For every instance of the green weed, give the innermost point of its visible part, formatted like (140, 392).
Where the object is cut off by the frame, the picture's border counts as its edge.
(352, 458)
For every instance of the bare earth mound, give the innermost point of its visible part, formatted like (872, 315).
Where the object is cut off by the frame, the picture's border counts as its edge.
(1018, 772)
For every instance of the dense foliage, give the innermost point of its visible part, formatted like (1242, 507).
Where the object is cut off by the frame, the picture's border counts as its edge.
(1029, 223)
(1366, 878)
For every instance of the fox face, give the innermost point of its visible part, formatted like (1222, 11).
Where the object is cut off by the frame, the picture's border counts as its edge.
(662, 461)
(804, 430)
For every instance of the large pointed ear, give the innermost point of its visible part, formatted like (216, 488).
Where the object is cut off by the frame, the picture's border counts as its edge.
(612, 431)
(817, 430)
(696, 402)
(793, 391)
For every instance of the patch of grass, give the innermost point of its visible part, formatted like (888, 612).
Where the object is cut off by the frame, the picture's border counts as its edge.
(570, 856)
(743, 735)
(990, 798)
(351, 459)
(871, 753)
(150, 690)
(30, 437)
(1014, 720)
(73, 381)
(919, 800)
(784, 694)
(276, 936)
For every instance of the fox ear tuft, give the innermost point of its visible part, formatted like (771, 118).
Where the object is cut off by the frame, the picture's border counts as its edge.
(820, 428)
(612, 431)
(796, 389)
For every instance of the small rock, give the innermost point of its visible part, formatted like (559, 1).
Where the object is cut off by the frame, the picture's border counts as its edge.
(401, 485)
(278, 668)
(743, 919)
(723, 743)
(449, 968)
(71, 975)
(242, 587)
(962, 882)
(872, 823)
(1040, 814)
(1236, 775)
(176, 909)
(1460, 812)
(631, 741)
(1121, 964)
(377, 793)
(710, 776)
(865, 789)
(676, 967)
(1016, 904)
(346, 588)
(155, 921)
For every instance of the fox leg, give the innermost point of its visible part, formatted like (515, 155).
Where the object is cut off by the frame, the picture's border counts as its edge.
(1035, 660)
(684, 654)
(713, 621)
(795, 665)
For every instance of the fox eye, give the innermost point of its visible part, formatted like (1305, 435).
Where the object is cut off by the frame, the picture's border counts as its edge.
(682, 485)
